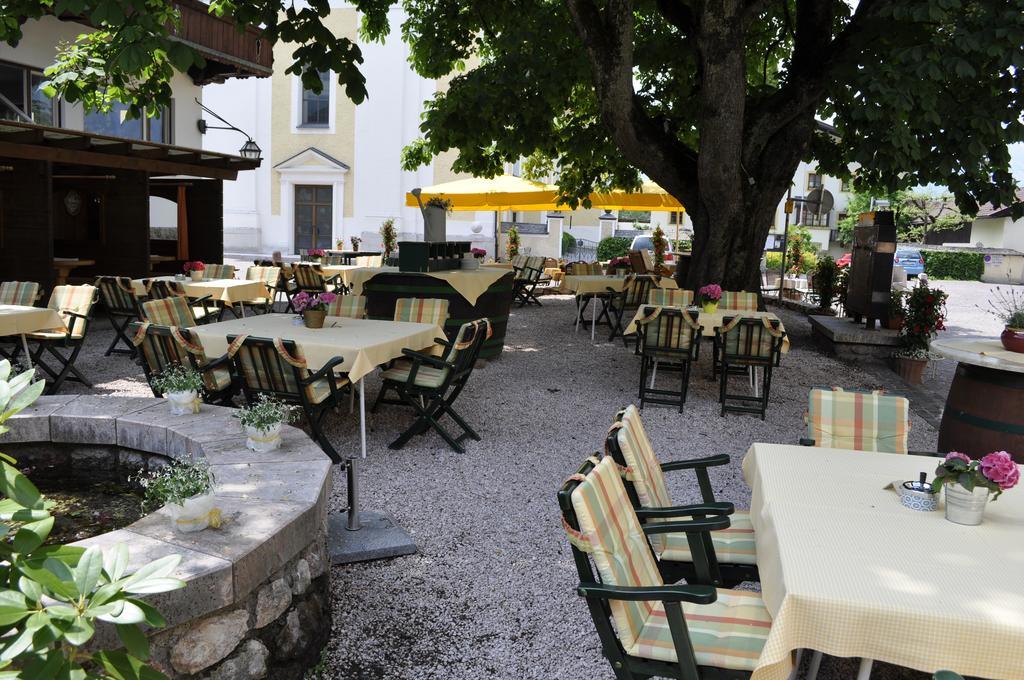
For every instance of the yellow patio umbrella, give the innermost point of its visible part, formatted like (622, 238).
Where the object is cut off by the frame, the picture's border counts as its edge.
(504, 192)
(650, 197)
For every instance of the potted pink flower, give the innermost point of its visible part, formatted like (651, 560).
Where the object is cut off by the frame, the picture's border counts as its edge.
(195, 270)
(619, 266)
(969, 483)
(708, 297)
(315, 254)
(313, 308)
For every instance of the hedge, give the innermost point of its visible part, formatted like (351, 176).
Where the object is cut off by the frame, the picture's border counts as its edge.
(958, 266)
(568, 242)
(773, 260)
(613, 246)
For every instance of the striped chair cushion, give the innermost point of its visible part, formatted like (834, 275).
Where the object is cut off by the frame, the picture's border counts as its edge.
(169, 311)
(350, 306)
(734, 545)
(646, 474)
(667, 331)
(728, 633)
(744, 300)
(858, 420)
(750, 340)
(284, 380)
(19, 293)
(426, 376)
(268, 275)
(670, 297)
(76, 299)
(421, 310)
(619, 549)
(220, 271)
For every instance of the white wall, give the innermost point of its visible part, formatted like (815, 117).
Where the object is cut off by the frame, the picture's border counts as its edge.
(990, 232)
(248, 224)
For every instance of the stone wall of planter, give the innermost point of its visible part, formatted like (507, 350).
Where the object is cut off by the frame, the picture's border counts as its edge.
(257, 603)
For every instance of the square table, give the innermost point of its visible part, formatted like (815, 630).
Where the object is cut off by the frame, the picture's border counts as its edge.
(711, 320)
(21, 320)
(847, 570)
(593, 285)
(364, 344)
(227, 291)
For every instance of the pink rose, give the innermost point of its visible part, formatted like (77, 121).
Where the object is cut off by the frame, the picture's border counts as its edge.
(1000, 468)
(956, 454)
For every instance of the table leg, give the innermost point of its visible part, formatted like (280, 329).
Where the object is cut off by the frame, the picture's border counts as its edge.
(242, 306)
(593, 318)
(353, 471)
(24, 346)
(864, 672)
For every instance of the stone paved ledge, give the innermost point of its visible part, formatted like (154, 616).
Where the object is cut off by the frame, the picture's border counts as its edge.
(261, 577)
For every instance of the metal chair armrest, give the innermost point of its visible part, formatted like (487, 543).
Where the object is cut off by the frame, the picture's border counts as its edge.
(694, 463)
(718, 508)
(324, 371)
(806, 441)
(667, 593)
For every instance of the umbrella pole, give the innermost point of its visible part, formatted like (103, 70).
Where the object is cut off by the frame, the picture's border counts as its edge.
(497, 230)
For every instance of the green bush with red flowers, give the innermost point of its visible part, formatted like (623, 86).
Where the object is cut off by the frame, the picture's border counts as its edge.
(926, 316)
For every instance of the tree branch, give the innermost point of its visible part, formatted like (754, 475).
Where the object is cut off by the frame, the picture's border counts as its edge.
(645, 142)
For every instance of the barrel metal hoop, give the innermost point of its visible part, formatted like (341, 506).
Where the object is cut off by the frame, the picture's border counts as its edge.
(985, 423)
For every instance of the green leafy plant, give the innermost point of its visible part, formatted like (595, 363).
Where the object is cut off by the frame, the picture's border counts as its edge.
(439, 202)
(568, 242)
(660, 246)
(826, 281)
(613, 246)
(178, 379)
(174, 483)
(52, 596)
(388, 237)
(897, 304)
(266, 413)
(926, 316)
(512, 247)
(957, 266)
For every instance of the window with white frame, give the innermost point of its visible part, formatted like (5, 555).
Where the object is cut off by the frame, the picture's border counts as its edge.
(813, 180)
(315, 107)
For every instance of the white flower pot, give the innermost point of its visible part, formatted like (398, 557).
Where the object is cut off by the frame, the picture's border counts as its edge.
(963, 506)
(194, 514)
(197, 275)
(470, 263)
(262, 441)
(183, 403)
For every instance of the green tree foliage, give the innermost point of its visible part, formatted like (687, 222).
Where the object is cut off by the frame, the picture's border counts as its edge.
(958, 266)
(568, 242)
(714, 101)
(613, 246)
(915, 212)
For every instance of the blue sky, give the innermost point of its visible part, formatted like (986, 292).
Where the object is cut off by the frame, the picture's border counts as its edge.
(1017, 162)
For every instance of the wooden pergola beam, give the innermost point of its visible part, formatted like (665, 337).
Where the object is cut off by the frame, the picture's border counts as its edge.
(126, 160)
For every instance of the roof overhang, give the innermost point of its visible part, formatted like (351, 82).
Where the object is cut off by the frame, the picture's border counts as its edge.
(74, 147)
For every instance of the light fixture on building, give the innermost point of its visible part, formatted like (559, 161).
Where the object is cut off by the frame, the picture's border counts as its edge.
(249, 151)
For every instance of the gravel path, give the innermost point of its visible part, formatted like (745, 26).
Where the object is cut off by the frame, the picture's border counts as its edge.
(490, 592)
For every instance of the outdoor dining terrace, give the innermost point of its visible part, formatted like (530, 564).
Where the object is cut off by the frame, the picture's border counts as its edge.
(490, 589)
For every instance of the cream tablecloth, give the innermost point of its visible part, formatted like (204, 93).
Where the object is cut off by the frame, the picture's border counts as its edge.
(847, 570)
(364, 344)
(710, 320)
(470, 284)
(590, 284)
(19, 319)
(222, 290)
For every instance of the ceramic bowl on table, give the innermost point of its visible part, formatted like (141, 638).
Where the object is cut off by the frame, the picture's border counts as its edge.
(919, 496)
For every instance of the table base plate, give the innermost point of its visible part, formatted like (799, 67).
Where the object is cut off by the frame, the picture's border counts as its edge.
(379, 537)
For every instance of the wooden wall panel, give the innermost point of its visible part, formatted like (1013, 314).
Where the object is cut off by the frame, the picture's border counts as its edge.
(26, 227)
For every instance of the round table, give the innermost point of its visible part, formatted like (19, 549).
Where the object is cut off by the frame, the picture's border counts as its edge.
(985, 406)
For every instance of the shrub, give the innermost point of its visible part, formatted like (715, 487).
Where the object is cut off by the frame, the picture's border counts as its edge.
(568, 242)
(512, 247)
(926, 316)
(826, 281)
(958, 266)
(773, 261)
(613, 246)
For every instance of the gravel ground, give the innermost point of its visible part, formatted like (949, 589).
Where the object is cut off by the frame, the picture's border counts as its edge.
(490, 592)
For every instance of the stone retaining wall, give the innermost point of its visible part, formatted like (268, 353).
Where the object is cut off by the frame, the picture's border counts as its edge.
(257, 603)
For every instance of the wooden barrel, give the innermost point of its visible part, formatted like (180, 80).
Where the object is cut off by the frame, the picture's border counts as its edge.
(385, 288)
(984, 412)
